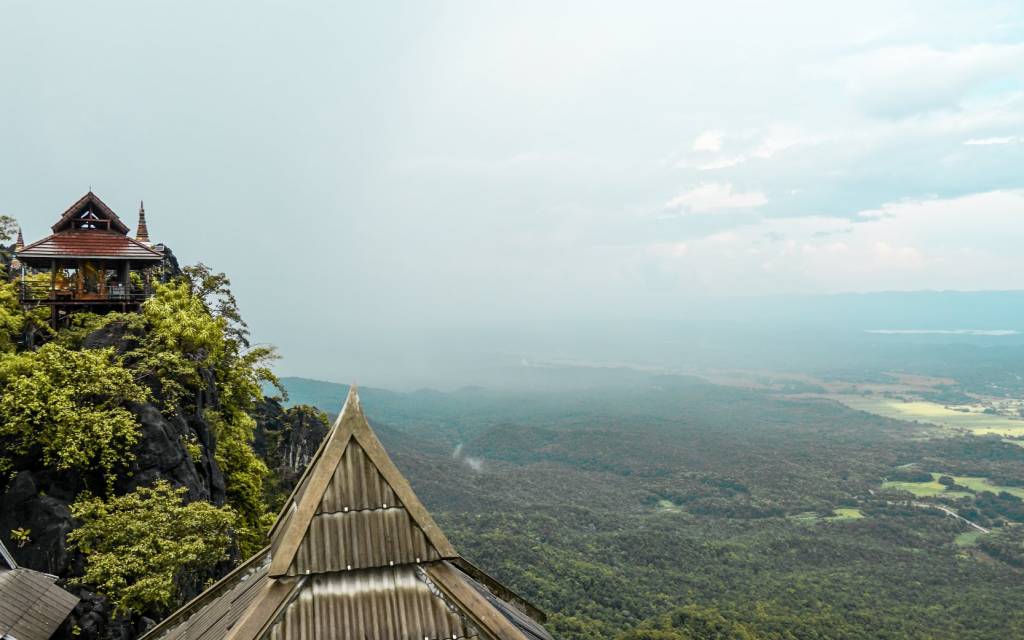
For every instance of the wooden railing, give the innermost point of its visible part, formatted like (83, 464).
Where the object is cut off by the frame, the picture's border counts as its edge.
(34, 291)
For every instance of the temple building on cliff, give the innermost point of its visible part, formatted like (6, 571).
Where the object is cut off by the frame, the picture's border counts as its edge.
(89, 263)
(354, 555)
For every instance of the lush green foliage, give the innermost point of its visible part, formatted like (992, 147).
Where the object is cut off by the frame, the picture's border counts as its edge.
(244, 473)
(568, 508)
(691, 622)
(8, 227)
(69, 406)
(193, 342)
(12, 319)
(182, 339)
(138, 546)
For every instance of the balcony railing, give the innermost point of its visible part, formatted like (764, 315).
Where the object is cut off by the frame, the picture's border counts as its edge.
(42, 292)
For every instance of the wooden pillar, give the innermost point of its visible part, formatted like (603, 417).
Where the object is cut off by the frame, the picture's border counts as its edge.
(53, 277)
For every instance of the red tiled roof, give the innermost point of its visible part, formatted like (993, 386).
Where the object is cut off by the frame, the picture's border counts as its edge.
(89, 243)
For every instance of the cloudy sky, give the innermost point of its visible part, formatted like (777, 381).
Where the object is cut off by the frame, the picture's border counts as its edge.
(368, 172)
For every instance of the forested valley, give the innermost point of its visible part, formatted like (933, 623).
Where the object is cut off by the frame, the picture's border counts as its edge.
(664, 507)
(143, 455)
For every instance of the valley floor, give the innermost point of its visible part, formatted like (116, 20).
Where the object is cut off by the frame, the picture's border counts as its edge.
(793, 517)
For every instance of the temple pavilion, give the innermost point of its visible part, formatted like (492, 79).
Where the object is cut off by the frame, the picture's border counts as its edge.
(354, 555)
(89, 262)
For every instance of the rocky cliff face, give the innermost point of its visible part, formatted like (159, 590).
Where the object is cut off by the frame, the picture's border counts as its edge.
(38, 499)
(286, 439)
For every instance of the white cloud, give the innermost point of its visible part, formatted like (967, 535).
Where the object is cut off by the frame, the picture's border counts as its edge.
(990, 141)
(761, 144)
(905, 79)
(969, 242)
(708, 141)
(715, 196)
(722, 163)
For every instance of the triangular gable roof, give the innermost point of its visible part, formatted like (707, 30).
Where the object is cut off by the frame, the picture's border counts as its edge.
(90, 202)
(352, 505)
(349, 484)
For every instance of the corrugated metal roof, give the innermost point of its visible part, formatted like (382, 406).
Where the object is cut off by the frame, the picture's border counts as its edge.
(377, 604)
(530, 627)
(359, 523)
(361, 540)
(356, 485)
(352, 471)
(355, 554)
(209, 616)
(89, 243)
(31, 605)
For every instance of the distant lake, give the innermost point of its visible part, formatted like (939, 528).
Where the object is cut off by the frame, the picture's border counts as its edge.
(951, 332)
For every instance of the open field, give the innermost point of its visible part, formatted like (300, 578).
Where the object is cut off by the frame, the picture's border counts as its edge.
(976, 422)
(968, 538)
(782, 381)
(933, 488)
(925, 489)
(667, 506)
(982, 484)
(845, 513)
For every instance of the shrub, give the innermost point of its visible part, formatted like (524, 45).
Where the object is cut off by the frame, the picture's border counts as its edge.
(137, 546)
(69, 406)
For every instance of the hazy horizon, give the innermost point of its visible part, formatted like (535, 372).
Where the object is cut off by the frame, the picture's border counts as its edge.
(405, 193)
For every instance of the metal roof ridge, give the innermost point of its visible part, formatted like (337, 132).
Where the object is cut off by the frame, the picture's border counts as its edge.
(350, 425)
(7, 557)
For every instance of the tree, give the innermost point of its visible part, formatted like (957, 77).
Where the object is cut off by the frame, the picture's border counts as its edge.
(12, 319)
(70, 407)
(140, 545)
(193, 336)
(691, 622)
(8, 228)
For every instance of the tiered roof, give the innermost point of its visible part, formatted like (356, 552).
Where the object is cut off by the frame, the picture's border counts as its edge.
(90, 229)
(355, 555)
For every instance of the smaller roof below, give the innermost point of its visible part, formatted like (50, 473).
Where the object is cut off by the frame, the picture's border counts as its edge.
(216, 610)
(89, 243)
(31, 605)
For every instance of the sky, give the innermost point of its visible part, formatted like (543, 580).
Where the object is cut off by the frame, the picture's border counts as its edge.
(381, 178)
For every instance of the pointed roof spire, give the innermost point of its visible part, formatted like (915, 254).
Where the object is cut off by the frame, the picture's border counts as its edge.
(19, 244)
(142, 231)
